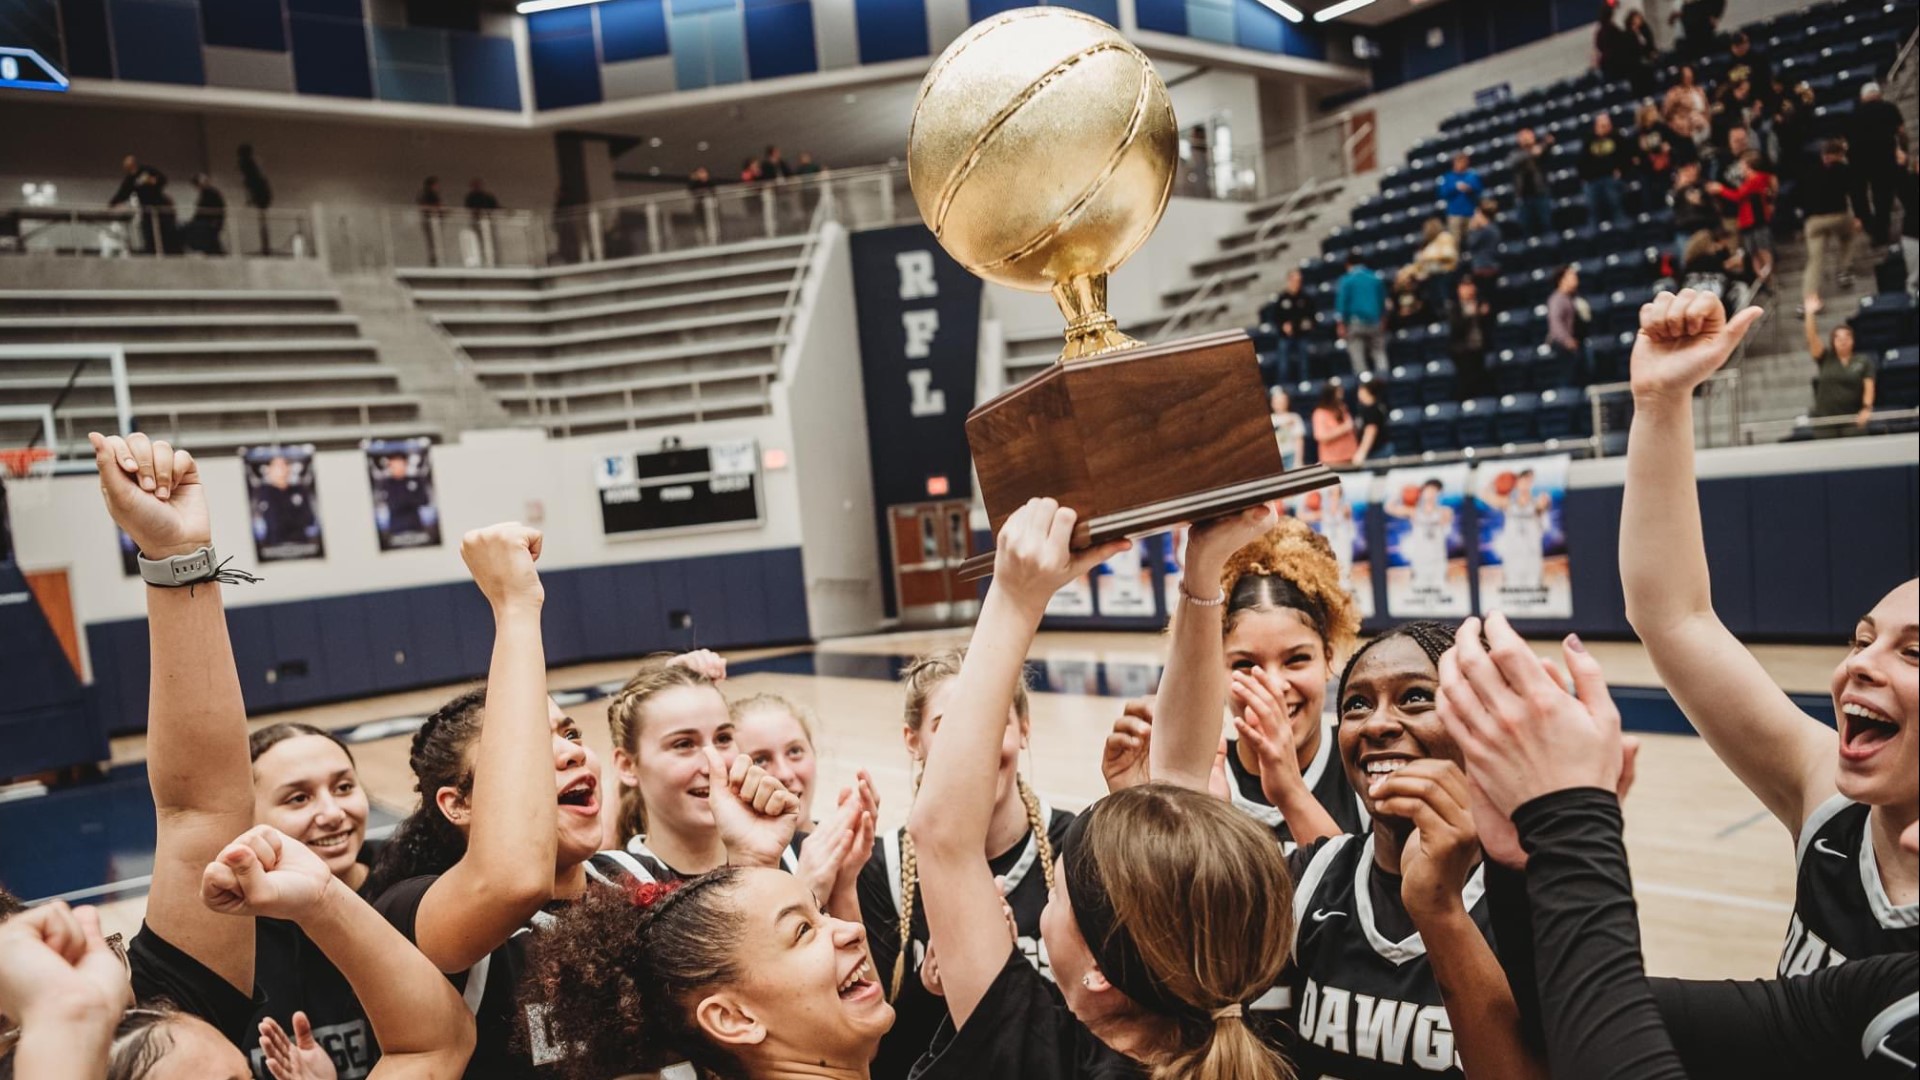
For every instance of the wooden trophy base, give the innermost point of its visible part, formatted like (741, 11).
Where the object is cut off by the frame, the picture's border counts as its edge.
(1136, 441)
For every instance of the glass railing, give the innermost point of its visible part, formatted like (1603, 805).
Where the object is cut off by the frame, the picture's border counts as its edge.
(128, 232)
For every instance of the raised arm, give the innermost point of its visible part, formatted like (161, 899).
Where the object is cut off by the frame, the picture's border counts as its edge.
(1193, 690)
(512, 837)
(950, 817)
(64, 988)
(1815, 346)
(197, 762)
(423, 1026)
(1783, 755)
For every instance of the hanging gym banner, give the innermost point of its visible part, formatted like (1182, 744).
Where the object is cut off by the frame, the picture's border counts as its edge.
(919, 322)
(1426, 545)
(1123, 585)
(1340, 514)
(1521, 504)
(286, 510)
(404, 512)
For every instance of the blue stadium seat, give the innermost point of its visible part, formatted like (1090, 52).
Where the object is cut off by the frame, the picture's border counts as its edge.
(1898, 384)
(1510, 369)
(1559, 413)
(1883, 320)
(1474, 424)
(1406, 345)
(1551, 367)
(1266, 337)
(1437, 422)
(1624, 312)
(1516, 420)
(1607, 356)
(1403, 430)
(1438, 385)
(1402, 386)
(1519, 328)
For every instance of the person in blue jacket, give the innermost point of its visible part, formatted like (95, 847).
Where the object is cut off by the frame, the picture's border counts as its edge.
(1460, 190)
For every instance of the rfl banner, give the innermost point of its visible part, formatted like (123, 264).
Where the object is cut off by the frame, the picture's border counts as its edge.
(1521, 506)
(1426, 545)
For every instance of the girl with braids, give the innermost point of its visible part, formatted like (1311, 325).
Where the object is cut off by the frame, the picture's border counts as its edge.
(1263, 647)
(737, 970)
(300, 780)
(1021, 840)
(1169, 911)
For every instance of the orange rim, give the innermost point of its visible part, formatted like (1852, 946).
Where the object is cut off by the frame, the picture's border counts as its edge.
(20, 460)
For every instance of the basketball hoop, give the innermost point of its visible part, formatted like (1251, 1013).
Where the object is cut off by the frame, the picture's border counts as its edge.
(27, 472)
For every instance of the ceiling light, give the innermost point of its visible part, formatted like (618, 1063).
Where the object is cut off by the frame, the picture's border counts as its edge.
(1342, 8)
(654, 142)
(701, 146)
(528, 7)
(1285, 10)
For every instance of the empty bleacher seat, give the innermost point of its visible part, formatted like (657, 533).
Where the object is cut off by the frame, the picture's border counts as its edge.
(1403, 430)
(1511, 369)
(1437, 421)
(1552, 366)
(1558, 414)
(1607, 355)
(1403, 386)
(1520, 328)
(1438, 384)
(1883, 320)
(1517, 418)
(1474, 424)
(1897, 384)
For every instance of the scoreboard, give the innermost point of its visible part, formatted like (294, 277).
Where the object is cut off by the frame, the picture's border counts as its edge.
(681, 489)
(30, 53)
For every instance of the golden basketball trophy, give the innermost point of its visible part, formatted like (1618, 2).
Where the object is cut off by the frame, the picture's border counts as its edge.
(1042, 154)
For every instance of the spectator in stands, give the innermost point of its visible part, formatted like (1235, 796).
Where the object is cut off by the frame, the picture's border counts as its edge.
(700, 182)
(1483, 247)
(1470, 329)
(1685, 107)
(1460, 191)
(773, 166)
(1613, 46)
(1843, 382)
(1723, 161)
(1749, 65)
(479, 200)
(1699, 21)
(1288, 429)
(1602, 163)
(1434, 264)
(146, 186)
(1694, 209)
(805, 165)
(1751, 200)
(1646, 53)
(481, 204)
(1735, 108)
(1333, 426)
(1532, 199)
(1793, 130)
(1826, 195)
(202, 231)
(1909, 192)
(1291, 313)
(1407, 304)
(1359, 309)
(1565, 320)
(259, 192)
(1876, 133)
(1371, 419)
(1653, 165)
(432, 208)
(750, 170)
(1714, 263)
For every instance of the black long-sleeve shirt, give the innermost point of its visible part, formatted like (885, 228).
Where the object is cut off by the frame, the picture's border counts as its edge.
(1600, 1016)
(1827, 189)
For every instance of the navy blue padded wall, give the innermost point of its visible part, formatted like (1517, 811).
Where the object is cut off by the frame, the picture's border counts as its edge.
(1519, 24)
(890, 29)
(1862, 557)
(1166, 16)
(634, 29)
(329, 49)
(1107, 11)
(1256, 26)
(1421, 58)
(485, 73)
(244, 24)
(562, 49)
(780, 38)
(977, 10)
(158, 41)
(83, 25)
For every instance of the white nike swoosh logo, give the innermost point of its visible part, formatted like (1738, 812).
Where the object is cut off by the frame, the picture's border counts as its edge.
(1323, 915)
(1821, 847)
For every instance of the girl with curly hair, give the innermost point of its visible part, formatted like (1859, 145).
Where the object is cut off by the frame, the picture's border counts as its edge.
(1260, 644)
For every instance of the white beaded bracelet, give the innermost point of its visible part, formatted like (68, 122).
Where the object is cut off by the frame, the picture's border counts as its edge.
(1197, 602)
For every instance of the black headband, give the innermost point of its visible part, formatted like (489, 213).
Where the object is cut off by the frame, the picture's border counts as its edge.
(1111, 943)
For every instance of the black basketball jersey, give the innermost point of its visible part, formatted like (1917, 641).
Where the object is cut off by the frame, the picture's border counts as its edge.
(1324, 777)
(917, 1013)
(1840, 907)
(1358, 1004)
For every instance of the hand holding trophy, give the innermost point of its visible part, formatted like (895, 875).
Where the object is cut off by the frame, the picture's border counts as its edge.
(1041, 156)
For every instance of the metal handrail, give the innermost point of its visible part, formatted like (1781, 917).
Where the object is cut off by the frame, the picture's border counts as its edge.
(1287, 206)
(1191, 305)
(1882, 421)
(1722, 384)
(117, 227)
(1906, 54)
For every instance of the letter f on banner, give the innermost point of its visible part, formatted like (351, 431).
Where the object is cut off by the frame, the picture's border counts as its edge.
(920, 327)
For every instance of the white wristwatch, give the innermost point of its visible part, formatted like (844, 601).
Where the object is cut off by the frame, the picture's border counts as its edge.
(177, 571)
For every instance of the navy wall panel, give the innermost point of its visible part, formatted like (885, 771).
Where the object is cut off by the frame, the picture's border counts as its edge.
(1421, 54)
(1256, 26)
(1723, 517)
(1568, 14)
(780, 39)
(559, 627)
(471, 620)
(1869, 561)
(384, 615)
(600, 611)
(564, 55)
(330, 56)
(1787, 525)
(299, 653)
(83, 25)
(632, 29)
(433, 641)
(1166, 16)
(890, 29)
(485, 73)
(333, 9)
(746, 596)
(344, 647)
(978, 10)
(244, 24)
(643, 596)
(158, 41)
(671, 593)
(786, 596)
(1107, 11)
(251, 631)
(706, 598)
(1519, 24)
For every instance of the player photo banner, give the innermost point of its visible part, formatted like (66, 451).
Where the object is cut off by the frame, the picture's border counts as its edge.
(1123, 585)
(286, 511)
(1340, 514)
(1426, 546)
(1521, 507)
(404, 512)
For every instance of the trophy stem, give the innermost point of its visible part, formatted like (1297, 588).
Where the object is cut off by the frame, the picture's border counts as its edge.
(1090, 330)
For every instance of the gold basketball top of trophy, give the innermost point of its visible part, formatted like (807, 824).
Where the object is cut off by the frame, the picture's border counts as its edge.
(1041, 154)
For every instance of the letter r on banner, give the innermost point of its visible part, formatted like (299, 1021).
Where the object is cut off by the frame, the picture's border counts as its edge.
(916, 275)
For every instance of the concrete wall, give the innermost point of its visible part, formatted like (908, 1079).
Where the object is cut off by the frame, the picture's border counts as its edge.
(79, 147)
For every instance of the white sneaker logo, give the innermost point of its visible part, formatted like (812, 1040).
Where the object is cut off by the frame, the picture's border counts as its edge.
(1323, 915)
(1820, 846)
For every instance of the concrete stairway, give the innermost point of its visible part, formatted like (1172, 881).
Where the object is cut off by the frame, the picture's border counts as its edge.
(428, 364)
